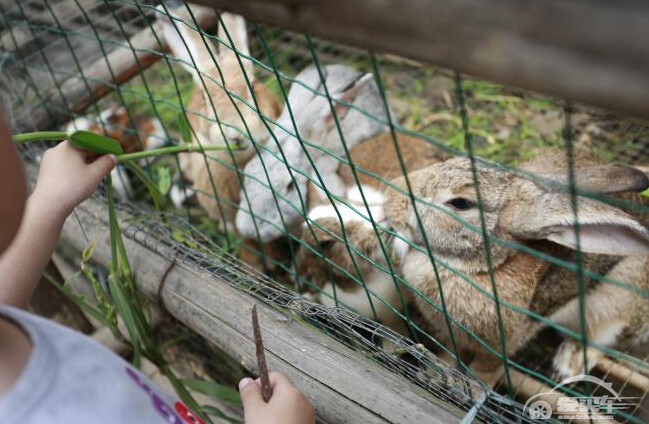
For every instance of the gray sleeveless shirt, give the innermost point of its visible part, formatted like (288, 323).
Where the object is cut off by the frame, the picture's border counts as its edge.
(69, 378)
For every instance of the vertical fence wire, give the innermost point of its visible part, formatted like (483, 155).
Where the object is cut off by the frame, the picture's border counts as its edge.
(485, 239)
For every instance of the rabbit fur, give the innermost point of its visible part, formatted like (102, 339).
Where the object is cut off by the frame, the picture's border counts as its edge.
(610, 330)
(214, 175)
(376, 156)
(280, 198)
(536, 214)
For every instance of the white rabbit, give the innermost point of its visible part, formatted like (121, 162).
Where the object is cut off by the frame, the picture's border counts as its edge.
(316, 124)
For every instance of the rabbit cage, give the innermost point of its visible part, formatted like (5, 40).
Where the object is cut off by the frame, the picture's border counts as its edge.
(429, 246)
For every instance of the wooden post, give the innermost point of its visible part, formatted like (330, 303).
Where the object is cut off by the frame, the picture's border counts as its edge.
(594, 51)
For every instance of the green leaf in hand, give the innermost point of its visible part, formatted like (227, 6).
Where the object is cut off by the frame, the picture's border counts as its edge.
(95, 143)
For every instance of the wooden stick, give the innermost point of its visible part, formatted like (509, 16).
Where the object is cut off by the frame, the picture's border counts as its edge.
(266, 390)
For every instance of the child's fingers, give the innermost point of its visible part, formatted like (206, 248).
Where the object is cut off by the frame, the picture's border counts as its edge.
(279, 381)
(250, 395)
(91, 156)
(87, 155)
(65, 145)
(101, 166)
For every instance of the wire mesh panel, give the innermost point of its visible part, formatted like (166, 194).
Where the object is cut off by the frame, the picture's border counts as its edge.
(473, 238)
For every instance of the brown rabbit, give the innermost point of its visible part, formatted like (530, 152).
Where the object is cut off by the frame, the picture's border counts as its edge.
(348, 292)
(569, 358)
(214, 175)
(377, 156)
(517, 209)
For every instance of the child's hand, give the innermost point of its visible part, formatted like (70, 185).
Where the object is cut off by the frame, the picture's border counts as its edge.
(286, 406)
(66, 178)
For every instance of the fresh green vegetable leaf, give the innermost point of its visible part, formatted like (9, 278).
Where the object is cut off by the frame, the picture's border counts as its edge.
(95, 143)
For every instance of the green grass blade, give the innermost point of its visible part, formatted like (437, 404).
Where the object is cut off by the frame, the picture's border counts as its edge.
(78, 300)
(215, 390)
(216, 412)
(184, 394)
(124, 309)
(151, 186)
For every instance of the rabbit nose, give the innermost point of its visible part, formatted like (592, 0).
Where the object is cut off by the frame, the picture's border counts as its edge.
(239, 141)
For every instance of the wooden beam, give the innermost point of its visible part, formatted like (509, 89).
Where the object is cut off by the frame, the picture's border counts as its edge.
(98, 78)
(592, 51)
(343, 385)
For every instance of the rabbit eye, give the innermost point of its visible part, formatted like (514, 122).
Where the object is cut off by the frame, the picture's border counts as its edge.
(460, 204)
(326, 244)
(290, 186)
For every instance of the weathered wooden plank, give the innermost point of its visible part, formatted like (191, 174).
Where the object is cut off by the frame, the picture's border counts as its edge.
(594, 51)
(82, 90)
(61, 12)
(64, 11)
(344, 386)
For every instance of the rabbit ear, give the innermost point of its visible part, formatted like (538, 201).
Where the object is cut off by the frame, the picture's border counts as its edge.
(612, 178)
(238, 32)
(187, 44)
(603, 228)
(349, 95)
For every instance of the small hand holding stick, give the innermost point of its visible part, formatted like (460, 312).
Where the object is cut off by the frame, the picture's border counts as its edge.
(266, 390)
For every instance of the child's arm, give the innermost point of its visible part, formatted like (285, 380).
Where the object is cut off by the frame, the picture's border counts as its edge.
(64, 181)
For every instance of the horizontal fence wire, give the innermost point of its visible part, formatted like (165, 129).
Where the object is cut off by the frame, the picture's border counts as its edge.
(48, 44)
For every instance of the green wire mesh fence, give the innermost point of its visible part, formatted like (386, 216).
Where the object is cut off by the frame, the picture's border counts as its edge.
(404, 209)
